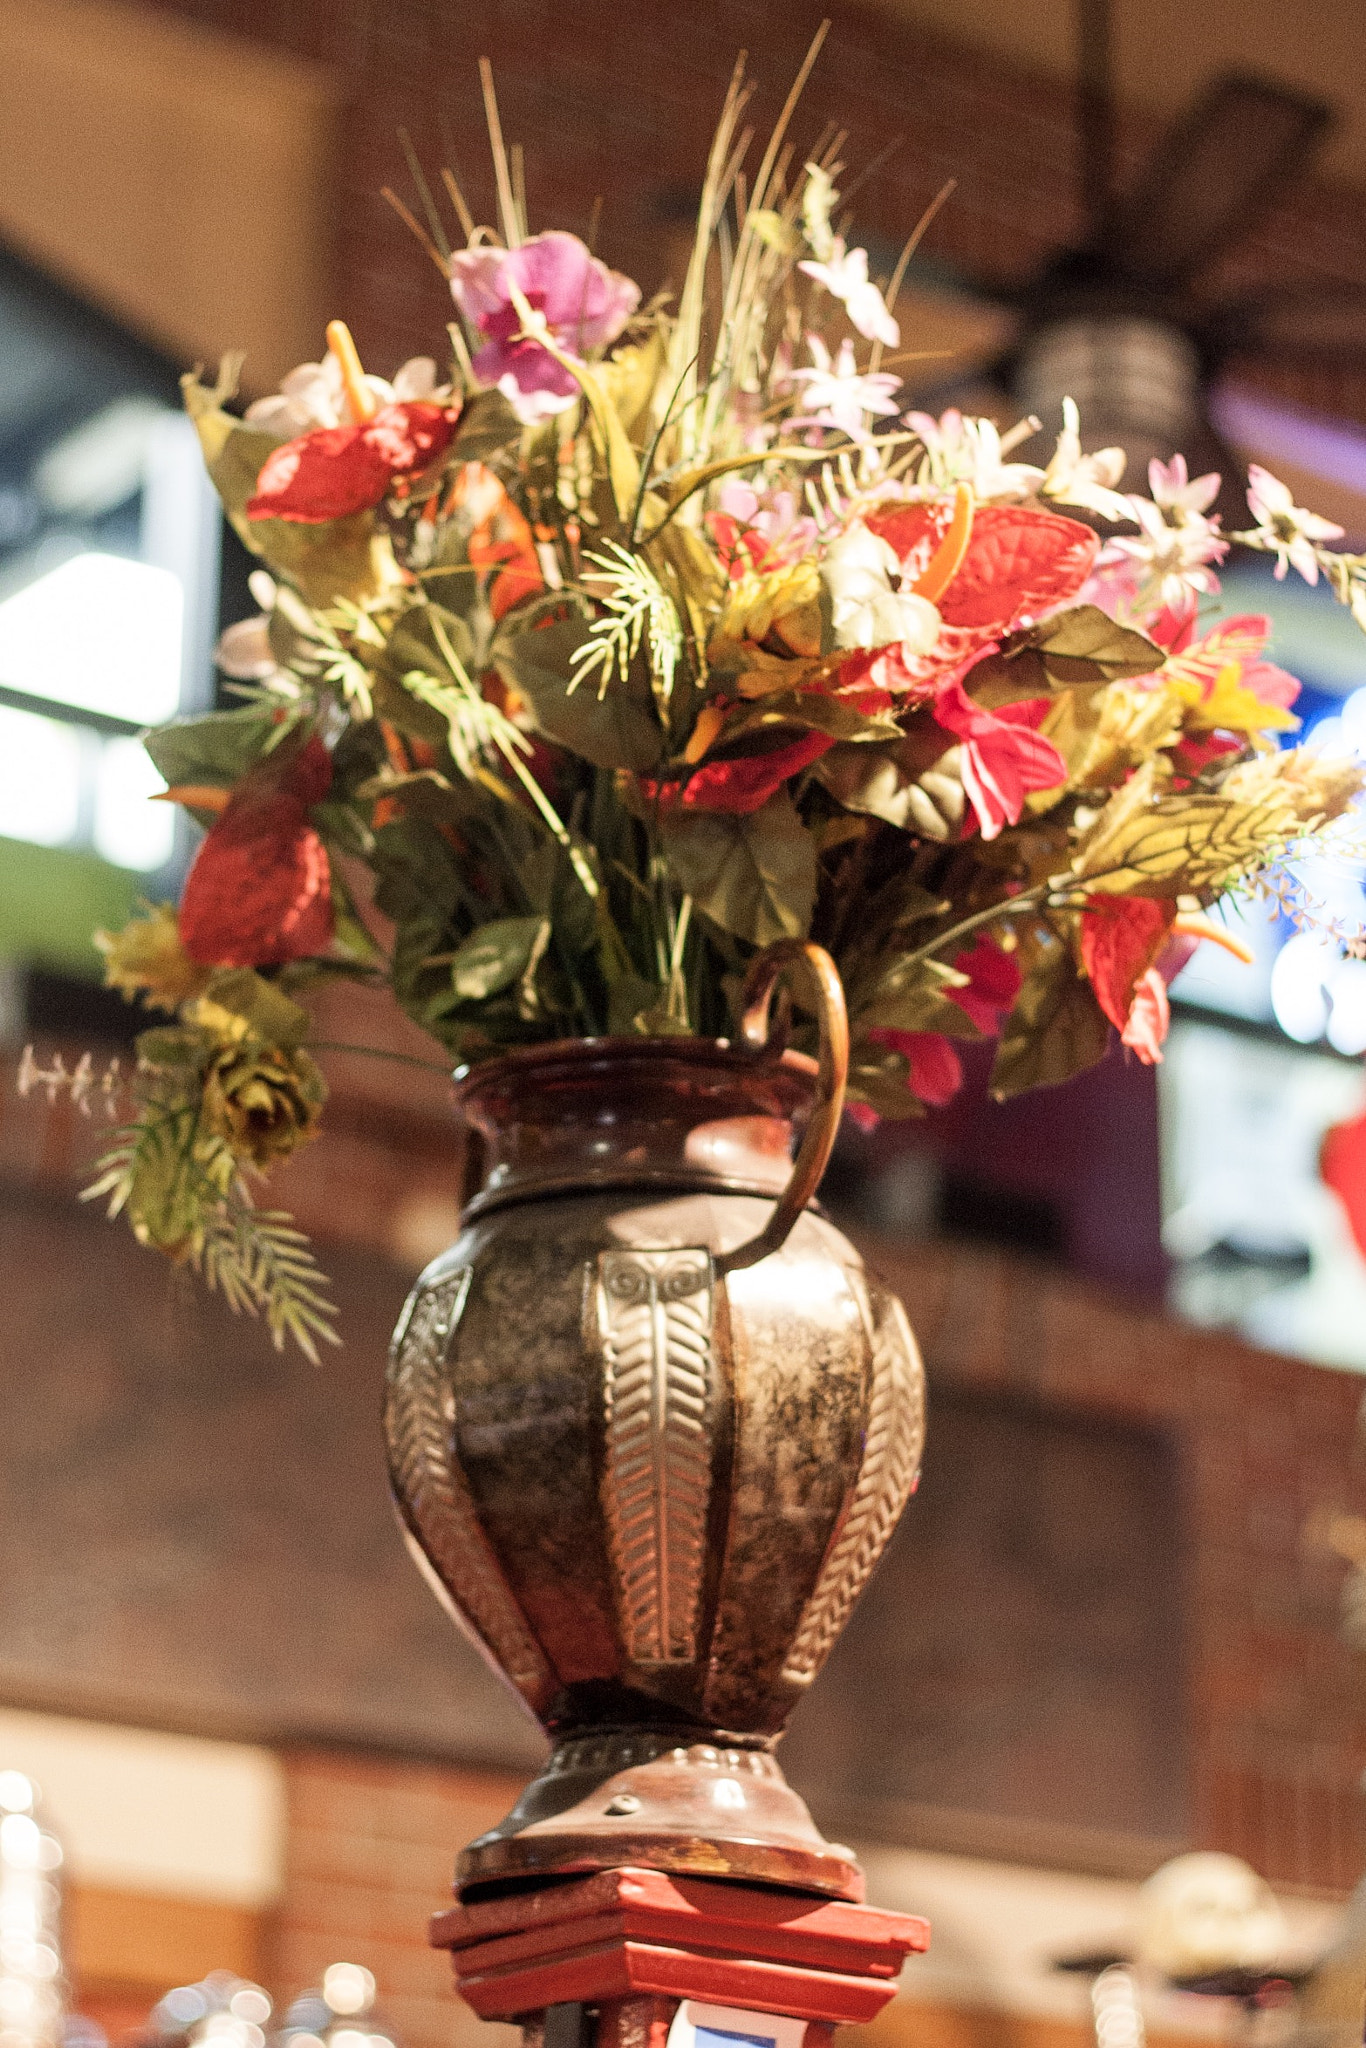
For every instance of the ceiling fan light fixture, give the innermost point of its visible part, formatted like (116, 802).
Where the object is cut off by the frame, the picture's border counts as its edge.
(1136, 383)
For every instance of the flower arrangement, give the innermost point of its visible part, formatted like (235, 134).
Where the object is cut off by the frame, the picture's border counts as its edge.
(648, 634)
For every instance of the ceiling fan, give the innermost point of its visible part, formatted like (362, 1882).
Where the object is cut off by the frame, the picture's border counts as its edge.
(1119, 321)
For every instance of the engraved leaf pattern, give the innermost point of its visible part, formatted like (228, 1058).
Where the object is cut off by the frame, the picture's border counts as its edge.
(432, 1491)
(891, 1462)
(655, 1318)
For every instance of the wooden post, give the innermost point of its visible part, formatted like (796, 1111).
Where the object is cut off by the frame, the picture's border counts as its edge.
(637, 1959)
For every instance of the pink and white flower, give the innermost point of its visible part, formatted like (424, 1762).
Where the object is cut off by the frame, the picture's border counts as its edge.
(846, 278)
(1284, 528)
(1170, 563)
(838, 396)
(959, 450)
(1176, 490)
(566, 297)
(313, 396)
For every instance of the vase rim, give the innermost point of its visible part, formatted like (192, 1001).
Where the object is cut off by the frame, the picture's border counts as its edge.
(685, 1046)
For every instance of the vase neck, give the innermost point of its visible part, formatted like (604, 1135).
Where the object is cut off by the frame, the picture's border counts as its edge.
(595, 1113)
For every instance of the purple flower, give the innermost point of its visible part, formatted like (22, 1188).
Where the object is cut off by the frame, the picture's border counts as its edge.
(575, 300)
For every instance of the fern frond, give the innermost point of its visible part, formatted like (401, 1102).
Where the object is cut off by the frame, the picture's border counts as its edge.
(261, 1264)
(637, 608)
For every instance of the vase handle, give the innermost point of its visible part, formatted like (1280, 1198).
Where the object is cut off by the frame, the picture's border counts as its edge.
(823, 988)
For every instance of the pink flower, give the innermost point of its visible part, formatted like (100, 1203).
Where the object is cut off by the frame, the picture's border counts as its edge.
(838, 396)
(1002, 757)
(575, 301)
(1172, 486)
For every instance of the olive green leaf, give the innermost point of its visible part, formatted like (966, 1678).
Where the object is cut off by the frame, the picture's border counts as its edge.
(267, 1011)
(755, 876)
(882, 1079)
(495, 956)
(617, 730)
(914, 996)
(488, 424)
(214, 751)
(808, 711)
(1056, 1028)
(1175, 845)
(1073, 649)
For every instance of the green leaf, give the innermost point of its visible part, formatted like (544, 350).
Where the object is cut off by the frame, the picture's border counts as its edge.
(754, 876)
(216, 749)
(493, 957)
(266, 1010)
(488, 425)
(810, 711)
(618, 730)
(918, 997)
(1056, 1028)
(882, 1079)
(171, 1045)
(1083, 646)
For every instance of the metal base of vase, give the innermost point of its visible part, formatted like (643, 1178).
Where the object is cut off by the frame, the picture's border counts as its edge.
(668, 1802)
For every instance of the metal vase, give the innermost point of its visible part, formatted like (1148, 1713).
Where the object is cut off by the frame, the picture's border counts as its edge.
(650, 1424)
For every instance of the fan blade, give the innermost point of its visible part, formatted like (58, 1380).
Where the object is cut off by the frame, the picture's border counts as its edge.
(1309, 324)
(1218, 172)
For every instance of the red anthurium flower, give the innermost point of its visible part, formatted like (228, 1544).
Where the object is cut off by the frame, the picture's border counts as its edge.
(1003, 758)
(936, 1072)
(993, 984)
(738, 786)
(339, 470)
(1122, 940)
(259, 891)
(1020, 562)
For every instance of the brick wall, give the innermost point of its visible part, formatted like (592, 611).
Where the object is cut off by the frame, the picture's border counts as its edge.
(618, 103)
(1277, 1704)
(369, 1854)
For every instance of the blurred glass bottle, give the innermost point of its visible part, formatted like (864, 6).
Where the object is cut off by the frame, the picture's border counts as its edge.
(221, 2011)
(339, 2014)
(32, 1987)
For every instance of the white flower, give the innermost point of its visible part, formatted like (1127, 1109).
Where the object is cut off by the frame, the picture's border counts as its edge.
(314, 396)
(1176, 490)
(838, 396)
(1088, 481)
(846, 278)
(971, 451)
(1285, 528)
(1171, 561)
(866, 610)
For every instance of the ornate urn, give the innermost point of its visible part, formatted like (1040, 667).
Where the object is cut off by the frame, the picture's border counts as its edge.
(650, 1425)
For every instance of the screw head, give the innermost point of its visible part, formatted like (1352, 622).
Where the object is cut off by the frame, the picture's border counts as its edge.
(624, 1803)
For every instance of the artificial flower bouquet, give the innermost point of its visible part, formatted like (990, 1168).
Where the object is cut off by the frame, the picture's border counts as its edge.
(641, 635)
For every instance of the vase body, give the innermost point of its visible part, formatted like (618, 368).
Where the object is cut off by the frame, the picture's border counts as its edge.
(650, 1488)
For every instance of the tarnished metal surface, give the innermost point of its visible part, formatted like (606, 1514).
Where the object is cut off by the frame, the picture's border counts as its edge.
(650, 1492)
